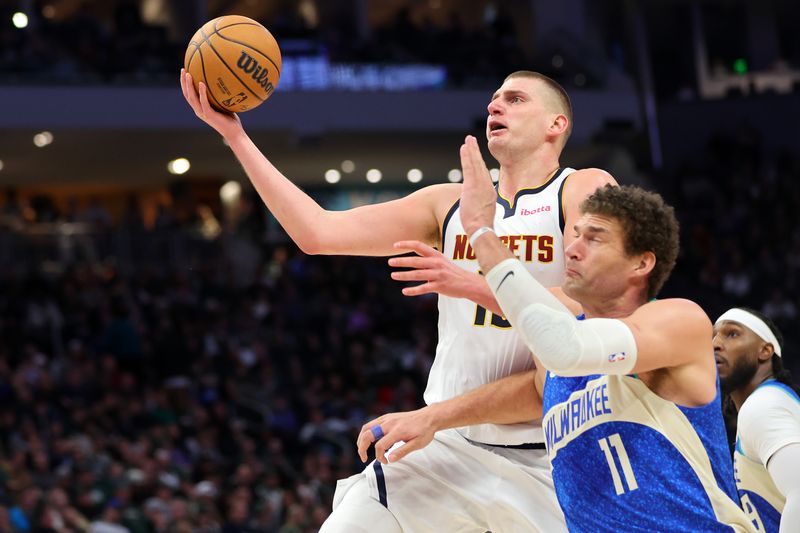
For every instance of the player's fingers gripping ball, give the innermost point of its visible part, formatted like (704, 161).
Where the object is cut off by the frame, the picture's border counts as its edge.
(239, 61)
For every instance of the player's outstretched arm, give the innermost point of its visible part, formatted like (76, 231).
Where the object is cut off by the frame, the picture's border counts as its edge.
(513, 399)
(367, 230)
(667, 335)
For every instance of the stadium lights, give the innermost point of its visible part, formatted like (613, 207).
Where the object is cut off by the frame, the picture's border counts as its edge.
(495, 173)
(454, 175)
(19, 20)
(332, 175)
(414, 175)
(230, 192)
(374, 175)
(348, 166)
(42, 139)
(180, 165)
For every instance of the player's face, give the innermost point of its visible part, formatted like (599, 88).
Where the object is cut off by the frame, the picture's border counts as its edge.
(736, 350)
(517, 117)
(596, 261)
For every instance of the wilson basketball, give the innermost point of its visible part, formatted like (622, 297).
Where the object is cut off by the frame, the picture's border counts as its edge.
(238, 59)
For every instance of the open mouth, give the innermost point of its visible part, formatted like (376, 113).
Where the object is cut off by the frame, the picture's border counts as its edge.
(496, 127)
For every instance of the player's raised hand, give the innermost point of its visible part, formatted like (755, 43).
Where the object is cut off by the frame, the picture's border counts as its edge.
(415, 429)
(478, 196)
(439, 274)
(226, 124)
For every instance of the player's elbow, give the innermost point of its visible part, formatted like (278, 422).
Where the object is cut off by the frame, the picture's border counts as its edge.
(319, 236)
(551, 336)
(568, 347)
(311, 246)
(319, 246)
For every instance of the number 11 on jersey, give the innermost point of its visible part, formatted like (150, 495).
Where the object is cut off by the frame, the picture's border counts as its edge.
(609, 445)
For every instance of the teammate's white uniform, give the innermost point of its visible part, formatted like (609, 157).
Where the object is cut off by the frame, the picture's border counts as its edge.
(768, 420)
(485, 477)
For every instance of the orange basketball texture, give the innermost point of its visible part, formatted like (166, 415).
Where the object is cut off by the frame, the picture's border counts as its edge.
(238, 59)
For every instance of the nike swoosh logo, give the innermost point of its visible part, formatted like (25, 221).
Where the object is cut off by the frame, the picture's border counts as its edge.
(508, 274)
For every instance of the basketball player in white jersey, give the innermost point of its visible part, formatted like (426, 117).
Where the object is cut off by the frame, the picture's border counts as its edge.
(629, 399)
(749, 348)
(494, 476)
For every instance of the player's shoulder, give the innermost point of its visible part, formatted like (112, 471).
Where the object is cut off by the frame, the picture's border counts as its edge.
(439, 195)
(446, 191)
(763, 407)
(441, 198)
(679, 313)
(770, 395)
(596, 176)
(585, 181)
(768, 420)
(680, 306)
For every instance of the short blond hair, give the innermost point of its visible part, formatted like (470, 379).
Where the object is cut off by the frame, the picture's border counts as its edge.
(559, 96)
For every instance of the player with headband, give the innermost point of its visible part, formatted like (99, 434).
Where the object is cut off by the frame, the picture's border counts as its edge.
(748, 347)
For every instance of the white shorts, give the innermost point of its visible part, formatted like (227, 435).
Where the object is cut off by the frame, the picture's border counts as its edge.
(453, 485)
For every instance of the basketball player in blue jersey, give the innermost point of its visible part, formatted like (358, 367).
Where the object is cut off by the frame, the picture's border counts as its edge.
(748, 347)
(490, 476)
(630, 402)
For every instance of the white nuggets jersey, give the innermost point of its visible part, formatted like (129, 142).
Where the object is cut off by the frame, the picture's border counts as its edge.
(768, 420)
(475, 346)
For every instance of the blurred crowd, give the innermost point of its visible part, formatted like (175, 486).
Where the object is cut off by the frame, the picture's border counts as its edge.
(83, 49)
(188, 399)
(736, 200)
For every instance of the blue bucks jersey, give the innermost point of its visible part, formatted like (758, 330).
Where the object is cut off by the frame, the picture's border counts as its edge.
(625, 459)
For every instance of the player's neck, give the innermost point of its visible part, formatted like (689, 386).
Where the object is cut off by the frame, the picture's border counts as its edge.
(763, 373)
(529, 172)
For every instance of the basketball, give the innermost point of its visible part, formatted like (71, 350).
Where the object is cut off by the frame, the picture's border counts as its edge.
(239, 61)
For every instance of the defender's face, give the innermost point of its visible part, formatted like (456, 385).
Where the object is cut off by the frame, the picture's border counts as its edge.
(517, 116)
(596, 262)
(736, 350)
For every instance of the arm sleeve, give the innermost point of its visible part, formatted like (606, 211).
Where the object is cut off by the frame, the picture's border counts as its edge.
(564, 346)
(515, 288)
(784, 469)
